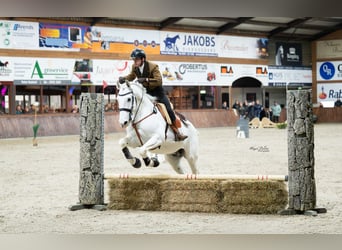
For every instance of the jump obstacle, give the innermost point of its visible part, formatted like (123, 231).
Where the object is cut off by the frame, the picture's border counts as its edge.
(243, 194)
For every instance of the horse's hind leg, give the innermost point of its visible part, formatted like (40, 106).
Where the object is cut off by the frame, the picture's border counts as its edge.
(174, 161)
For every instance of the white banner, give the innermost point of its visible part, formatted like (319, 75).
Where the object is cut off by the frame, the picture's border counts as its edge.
(120, 40)
(188, 44)
(42, 71)
(109, 71)
(329, 71)
(242, 47)
(231, 72)
(6, 68)
(329, 49)
(187, 73)
(19, 35)
(287, 76)
(329, 92)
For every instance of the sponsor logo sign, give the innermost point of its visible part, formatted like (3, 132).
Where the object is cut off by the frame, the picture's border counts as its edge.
(18, 35)
(188, 44)
(329, 71)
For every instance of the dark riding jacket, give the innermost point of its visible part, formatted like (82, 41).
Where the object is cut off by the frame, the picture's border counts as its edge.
(151, 71)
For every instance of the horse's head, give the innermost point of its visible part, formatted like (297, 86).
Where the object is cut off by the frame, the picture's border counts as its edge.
(126, 103)
(132, 98)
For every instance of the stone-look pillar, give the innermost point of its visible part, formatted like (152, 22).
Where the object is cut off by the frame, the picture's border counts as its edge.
(301, 160)
(91, 184)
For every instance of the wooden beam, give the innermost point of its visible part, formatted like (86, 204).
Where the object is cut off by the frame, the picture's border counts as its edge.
(168, 21)
(289, 25)
(327, 31)
(198, 177)
(231, 25)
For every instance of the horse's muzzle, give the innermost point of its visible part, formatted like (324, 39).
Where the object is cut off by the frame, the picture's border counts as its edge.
(124, 125)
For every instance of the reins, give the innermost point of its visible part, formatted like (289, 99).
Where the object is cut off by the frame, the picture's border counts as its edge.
(134, 124)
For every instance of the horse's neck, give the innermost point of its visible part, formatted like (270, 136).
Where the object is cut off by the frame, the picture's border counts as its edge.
(144, 105)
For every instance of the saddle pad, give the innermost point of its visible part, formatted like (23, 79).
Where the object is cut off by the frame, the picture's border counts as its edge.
(163, 111)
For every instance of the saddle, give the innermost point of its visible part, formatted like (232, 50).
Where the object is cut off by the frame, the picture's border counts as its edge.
(162, 109)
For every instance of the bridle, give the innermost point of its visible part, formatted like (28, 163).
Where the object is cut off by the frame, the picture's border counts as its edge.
(130, 111)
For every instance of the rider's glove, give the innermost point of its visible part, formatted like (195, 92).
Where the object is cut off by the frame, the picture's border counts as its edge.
(122, 79)
(144, 81)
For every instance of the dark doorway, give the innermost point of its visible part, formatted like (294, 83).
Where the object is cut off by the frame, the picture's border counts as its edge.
(246, 82)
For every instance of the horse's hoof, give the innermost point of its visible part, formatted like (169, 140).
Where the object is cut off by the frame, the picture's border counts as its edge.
(137, 163)
(147, 161)
(155, 162)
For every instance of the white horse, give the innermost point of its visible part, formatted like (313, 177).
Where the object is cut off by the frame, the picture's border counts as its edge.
(279, 56)
(147, 129)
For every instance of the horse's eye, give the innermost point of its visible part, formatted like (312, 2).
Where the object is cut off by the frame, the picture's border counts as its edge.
(129, 99)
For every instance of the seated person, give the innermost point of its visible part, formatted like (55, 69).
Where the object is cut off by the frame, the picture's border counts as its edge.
(338, 102)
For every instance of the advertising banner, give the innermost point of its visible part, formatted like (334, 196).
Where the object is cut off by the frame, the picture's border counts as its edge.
(109, 71)
(19, 35)
(329, 93)
(329, 49)
(188, 44)
(329, 71)
(242, 47)
(64, 36)
(228, 73)
(6, 68)
(42, 71)
(289, 76)
(187, 73)
(118, 40)
(288, 54)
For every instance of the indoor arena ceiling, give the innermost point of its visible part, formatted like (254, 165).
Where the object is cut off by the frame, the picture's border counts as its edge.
(282, 28)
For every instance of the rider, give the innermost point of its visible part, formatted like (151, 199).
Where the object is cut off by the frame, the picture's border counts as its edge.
(149, 75)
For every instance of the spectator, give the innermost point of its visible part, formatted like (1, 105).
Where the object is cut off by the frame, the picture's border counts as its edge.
(338, 103)
(263, 113)
(257, 109)
(224, 105)
(276, 109)
(18, 110)
(45, 108)
(26, 110)
(74, 109)
(236, 105)
(250, 110)
(244, 109)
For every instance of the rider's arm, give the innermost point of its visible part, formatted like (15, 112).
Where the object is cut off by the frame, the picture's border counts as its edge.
(131, 76)
(155, 78)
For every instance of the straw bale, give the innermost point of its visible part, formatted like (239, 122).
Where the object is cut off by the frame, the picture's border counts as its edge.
(138, 194)
(253, 197)
(209, 195)
(190, 195)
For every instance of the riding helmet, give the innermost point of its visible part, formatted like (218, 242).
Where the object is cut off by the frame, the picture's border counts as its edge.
(138, 53)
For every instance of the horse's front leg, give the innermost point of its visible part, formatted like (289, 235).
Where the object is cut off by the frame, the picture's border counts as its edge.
(135, 162)
(154, 142)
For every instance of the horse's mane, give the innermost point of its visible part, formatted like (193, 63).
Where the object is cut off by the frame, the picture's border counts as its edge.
(141, 88)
